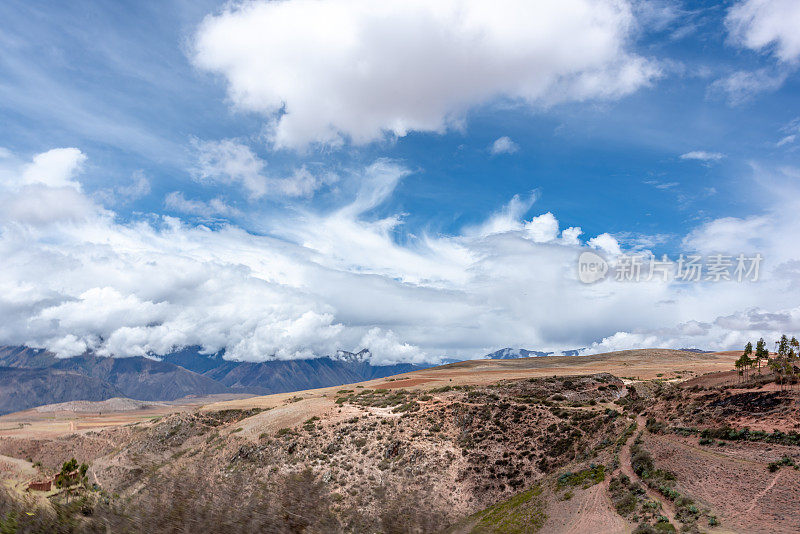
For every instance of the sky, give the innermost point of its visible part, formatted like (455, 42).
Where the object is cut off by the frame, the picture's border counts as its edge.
(287, 179)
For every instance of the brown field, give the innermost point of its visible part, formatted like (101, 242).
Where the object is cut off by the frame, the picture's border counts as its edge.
(36, 423)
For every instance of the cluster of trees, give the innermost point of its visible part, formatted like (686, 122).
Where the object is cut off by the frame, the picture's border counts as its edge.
(783, 362)
(71, 473)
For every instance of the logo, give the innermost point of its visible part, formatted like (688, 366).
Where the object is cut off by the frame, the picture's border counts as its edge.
(591, 267)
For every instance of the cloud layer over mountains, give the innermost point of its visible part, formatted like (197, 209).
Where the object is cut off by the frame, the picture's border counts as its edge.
(74, 278)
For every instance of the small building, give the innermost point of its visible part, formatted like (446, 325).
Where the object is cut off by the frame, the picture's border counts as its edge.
(40, 485)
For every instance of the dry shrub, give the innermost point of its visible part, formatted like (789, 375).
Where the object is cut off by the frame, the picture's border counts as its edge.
(187, 502)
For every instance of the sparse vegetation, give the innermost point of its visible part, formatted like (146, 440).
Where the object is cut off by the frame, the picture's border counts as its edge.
(522, 514)
(594, 474)
(785, 461)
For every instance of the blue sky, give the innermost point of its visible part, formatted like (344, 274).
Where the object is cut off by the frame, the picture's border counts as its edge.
(172, 107)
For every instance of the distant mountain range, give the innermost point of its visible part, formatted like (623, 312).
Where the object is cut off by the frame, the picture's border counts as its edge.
(22, 388)
(32, 377)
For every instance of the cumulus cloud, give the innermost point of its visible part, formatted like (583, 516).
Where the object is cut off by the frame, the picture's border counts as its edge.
(503, 145)
(390, 348)
(54, 168)
(571, 235)
(44, 190)
(698, 155)
(334, 71)
(767, 24)
(232, 163)
(542, 228)
(315, 282)
(607, 243)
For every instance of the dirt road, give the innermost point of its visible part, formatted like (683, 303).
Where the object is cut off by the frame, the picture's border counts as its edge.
(625, 466)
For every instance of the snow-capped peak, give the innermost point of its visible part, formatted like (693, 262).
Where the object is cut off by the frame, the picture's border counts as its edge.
(364, 355)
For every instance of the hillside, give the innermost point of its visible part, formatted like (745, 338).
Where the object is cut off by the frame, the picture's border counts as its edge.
(546, 445)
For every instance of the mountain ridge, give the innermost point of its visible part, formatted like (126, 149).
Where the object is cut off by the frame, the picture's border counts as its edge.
(172, 376)
(184, 372)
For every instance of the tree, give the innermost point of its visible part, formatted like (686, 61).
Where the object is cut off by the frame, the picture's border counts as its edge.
(761, 353)
(780, 363)
(794, 353)
(747, 362)
(744, 363)
(66, 477)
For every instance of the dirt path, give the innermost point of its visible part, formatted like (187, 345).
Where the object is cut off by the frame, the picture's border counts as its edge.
(596, 514)
(762, 493)
(625, 467)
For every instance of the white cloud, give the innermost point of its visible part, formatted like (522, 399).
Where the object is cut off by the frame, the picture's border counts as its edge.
(332, 71)
(571, 235)
(730, 233)
(767, 24)
(791, 130)
(44, 191)
(764, 26)
(742, 86)
(55, 168)
(229, 162)
(607, 243)
(504, 145)
(216, 206)
(391, 348)
(671, 185)
(699, 155)
(232, 163)
(138, 187)
(315, 282)
(542, 228)
(658, 15)
(40, 205)
(508, 218)
(721, 333)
